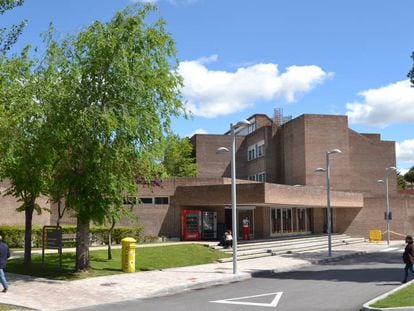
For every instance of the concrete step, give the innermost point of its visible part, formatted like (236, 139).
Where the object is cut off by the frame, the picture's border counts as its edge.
(252, 256)
(297, 245)
(285, 243)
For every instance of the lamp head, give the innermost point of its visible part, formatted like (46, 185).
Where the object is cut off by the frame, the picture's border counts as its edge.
(242, 123)
(333, 151)
(222, 150)
(380, 181)
(320, 169)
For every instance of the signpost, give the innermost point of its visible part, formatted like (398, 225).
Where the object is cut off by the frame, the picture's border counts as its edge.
(52, 239)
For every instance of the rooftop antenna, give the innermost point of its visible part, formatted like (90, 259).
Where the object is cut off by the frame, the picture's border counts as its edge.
(278, 117)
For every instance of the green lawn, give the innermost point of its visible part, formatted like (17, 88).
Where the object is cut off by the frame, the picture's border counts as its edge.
(148, 258)
(401, 298)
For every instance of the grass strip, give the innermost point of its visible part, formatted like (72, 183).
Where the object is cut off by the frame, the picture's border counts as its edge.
(6, 307)
(146, 259)
(401, 298)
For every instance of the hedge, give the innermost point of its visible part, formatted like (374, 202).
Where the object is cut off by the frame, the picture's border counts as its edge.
(14, 235)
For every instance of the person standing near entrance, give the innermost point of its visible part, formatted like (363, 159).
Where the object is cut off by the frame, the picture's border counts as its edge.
(408, 257)
(4, 255)
(246, 228)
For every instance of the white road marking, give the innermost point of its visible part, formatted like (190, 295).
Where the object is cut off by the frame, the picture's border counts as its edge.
(272, 304)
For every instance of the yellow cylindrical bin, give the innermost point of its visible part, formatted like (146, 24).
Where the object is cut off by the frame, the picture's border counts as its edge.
(128, 254)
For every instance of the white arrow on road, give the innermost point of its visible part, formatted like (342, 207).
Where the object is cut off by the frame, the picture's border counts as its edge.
(234, 301)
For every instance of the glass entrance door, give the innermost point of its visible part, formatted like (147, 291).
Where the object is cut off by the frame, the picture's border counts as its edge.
(290, 220)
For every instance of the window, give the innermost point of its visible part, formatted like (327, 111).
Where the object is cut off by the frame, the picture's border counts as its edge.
(250, 129)
(146, 200)
(255, 151)
(258, 177)
(260, 149)
(251, 153)
(261, 177)
(252, 126)
(161, 200)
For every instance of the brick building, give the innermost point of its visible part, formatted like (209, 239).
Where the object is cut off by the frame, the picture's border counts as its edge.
(277, 186)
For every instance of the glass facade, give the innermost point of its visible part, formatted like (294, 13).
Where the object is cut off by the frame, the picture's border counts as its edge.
(292, 220)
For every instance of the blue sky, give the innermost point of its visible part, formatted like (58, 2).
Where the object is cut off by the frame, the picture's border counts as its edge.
(244, 57)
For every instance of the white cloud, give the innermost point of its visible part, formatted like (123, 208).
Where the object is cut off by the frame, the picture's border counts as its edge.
(383, 106)
(211, 93)
(405, 150)
(402, 171)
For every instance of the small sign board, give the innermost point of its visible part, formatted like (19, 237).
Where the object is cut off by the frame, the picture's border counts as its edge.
(52, 239)
(375, 235)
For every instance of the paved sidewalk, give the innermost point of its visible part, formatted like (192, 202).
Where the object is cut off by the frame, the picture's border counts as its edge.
(43, 294)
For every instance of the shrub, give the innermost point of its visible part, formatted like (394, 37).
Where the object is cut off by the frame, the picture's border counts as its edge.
(14, 235)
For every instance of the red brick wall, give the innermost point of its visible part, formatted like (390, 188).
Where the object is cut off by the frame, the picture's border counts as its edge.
(9, 215)
(322, 133)
(372, 216)
(370, 157)
(294, 157)
(211, 164)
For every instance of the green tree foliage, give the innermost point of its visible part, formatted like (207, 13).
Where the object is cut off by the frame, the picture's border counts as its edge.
(409, 176)
(24, 159)
(8, 38)
(179, 160)
(401, 183)
(410, 74)
(116, 92)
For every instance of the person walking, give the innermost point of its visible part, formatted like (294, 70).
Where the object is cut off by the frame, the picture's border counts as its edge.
(4, 255)
(408, 257)
(246, 228)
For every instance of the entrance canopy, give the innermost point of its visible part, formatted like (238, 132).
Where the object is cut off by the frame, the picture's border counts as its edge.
(266, 194)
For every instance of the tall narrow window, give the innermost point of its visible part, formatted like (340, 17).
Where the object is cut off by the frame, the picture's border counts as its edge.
(251, 153)
(260, 149)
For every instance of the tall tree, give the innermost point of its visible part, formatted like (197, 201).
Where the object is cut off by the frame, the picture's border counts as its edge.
(8, 38)
(178, 159)
(409, 176)
(401, 183)
(23, 156)
(410, 74)
(119, 88)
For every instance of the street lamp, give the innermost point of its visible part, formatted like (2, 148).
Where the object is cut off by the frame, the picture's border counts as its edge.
(328, 196)
(387, 200)
(234, 129)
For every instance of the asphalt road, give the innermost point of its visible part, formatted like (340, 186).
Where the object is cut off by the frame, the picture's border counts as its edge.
(343, 285)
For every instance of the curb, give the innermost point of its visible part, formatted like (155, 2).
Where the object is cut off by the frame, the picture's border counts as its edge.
(337, 258)
(366, 306)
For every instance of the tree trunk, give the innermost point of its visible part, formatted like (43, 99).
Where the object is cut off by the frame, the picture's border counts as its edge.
(82, 246)
(109, 245)
(28, 215)
(110, 239)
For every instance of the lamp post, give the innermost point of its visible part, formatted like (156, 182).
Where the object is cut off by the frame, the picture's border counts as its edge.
(328, 196)
(234, 129)
(387, 200)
